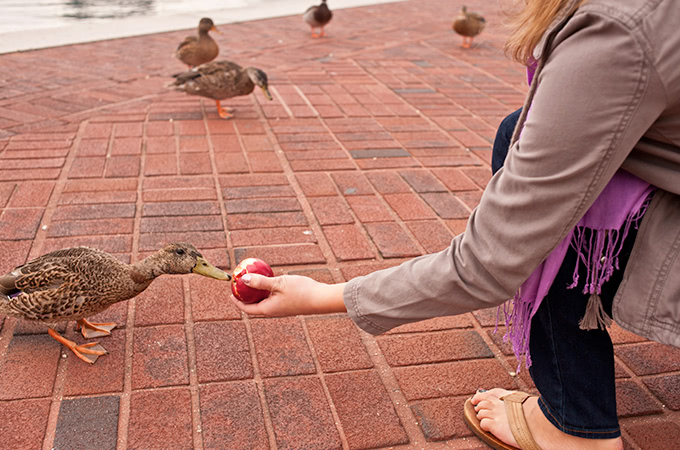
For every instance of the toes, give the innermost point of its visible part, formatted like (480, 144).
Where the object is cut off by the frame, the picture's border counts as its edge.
(479, 395)
(482, 394)
(483, 404)
(487, 413)
(486, 424)
(492, 394)
(497, 393)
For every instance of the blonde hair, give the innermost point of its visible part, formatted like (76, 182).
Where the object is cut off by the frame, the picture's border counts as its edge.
(530, 23)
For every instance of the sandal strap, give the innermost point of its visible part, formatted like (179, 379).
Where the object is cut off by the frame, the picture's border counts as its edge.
(518, 423)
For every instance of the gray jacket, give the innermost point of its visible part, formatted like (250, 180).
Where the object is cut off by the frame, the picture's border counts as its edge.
(606, 95)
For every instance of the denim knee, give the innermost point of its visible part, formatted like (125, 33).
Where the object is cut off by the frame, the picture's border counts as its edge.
(501, 143)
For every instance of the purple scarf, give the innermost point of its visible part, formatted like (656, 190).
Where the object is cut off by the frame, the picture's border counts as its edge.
(621, 205)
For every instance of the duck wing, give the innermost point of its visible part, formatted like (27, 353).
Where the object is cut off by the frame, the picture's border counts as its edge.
(468, 28)
(309, 14)
(219, 69)
(189, 40)
(59, 285)
(209, 71)
(50, 270)
(42, 292)
(478, 22)
(217, 80)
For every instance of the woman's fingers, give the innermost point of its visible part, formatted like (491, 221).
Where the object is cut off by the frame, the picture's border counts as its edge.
(248, 308)
(257, 281)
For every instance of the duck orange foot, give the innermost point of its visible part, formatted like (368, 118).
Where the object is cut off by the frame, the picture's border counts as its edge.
(87, 352)
(92, 330)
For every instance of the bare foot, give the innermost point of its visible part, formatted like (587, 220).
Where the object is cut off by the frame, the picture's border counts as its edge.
(493, 419)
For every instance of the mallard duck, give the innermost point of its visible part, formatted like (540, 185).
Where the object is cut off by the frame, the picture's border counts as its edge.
(468, 25)
(194, 50)
(78, 282)
(220, 80)
(318, 16)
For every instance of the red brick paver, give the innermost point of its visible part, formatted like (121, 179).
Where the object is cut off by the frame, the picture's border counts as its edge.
(375, 149)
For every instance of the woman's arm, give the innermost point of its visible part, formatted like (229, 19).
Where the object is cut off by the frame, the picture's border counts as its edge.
(292, 295)
(597, 95)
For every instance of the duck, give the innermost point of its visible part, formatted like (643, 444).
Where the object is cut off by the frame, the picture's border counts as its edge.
(78, 282)
(468, 25)
(318, 16)
(197, 50)
(220, 80)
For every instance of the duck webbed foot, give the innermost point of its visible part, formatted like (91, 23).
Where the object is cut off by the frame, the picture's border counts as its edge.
(314, 34)
(92, 330)
(224, 113)
(87, 352)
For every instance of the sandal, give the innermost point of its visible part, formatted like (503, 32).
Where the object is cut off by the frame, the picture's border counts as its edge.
(518, 424)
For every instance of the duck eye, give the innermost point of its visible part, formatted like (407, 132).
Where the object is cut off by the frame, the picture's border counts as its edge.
(180, 251)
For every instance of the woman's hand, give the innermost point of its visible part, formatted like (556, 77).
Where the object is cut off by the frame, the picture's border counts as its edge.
(292, 295)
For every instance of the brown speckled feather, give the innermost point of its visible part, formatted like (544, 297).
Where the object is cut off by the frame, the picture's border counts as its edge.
(217, 80)
(78, 282)
(75, 283)
(66, 284)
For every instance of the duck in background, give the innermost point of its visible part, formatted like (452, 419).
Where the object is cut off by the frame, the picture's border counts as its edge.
(220, 80)
(79, 282)
(468, 25)
(197, 50)
(318, 16)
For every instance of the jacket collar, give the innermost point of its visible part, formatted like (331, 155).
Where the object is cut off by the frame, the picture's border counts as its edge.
(556, 24)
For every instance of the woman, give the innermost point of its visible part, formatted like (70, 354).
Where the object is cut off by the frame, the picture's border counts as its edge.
(598, 149)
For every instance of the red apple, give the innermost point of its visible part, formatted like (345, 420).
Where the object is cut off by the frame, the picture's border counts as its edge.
(244, 293)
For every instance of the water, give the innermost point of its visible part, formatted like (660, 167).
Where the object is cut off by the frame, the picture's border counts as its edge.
(33, 24)
(18, 15)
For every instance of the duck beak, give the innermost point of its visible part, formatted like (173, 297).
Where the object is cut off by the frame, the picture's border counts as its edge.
(265, 89)
(206, 269)
(215, 30)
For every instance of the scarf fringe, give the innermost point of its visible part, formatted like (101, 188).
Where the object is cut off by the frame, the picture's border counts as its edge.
(517, 311)
(599, 253)
(595, 316)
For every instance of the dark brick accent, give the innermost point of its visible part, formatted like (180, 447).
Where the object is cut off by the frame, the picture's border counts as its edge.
(87, 423)
(379, 153)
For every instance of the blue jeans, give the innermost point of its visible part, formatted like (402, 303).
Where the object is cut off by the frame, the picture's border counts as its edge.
(502, 142)
(572, 369)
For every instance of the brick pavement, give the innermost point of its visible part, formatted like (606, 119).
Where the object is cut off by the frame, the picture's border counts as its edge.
(375, 149)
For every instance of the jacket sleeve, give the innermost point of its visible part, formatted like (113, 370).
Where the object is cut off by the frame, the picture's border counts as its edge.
(597, 95)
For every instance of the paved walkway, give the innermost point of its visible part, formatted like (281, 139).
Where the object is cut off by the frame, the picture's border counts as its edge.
(375, 149)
